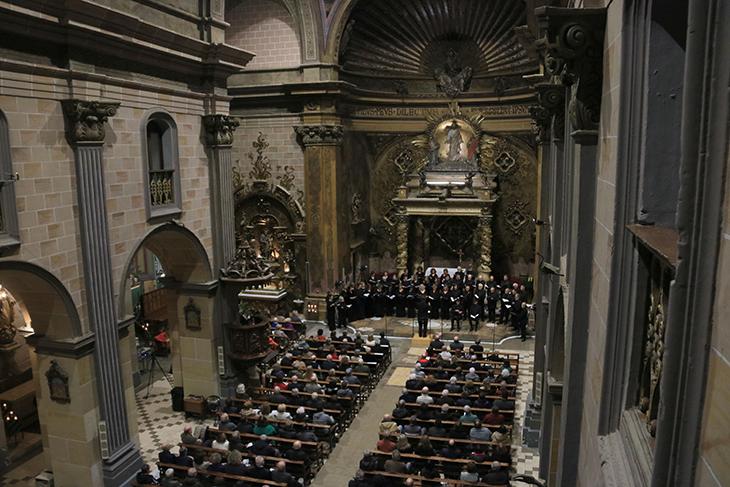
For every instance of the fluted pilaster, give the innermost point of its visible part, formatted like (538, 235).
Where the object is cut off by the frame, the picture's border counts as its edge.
(85, 131)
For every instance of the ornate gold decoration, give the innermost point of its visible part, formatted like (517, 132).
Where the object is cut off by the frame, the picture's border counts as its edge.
(86, 119)
(401, 222)
(484, 244)
(261, 165)
(320, 134)
(439, 128)
(517, 217)
(161, 187)
(219, 130)
(286, 179)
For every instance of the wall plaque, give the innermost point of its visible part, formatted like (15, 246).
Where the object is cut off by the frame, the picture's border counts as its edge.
(192, 316)
(58, 383)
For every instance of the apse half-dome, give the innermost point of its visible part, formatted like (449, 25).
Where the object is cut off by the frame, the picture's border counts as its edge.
(411, 38)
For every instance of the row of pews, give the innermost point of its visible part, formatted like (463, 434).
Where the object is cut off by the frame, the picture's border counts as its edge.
(434, 469)
(342, 409)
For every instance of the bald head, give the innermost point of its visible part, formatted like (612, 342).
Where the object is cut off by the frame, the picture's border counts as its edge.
(297, 445)
(281, 466)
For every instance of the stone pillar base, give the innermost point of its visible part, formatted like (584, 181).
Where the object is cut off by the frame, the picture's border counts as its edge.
(531, 423)
(121, 469)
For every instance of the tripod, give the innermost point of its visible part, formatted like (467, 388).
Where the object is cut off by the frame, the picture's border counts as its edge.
(150, 379)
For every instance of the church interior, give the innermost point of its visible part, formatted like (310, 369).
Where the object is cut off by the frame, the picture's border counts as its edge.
(365, 243)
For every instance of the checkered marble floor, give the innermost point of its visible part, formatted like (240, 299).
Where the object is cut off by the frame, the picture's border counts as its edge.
(158, 423)
(527, 460)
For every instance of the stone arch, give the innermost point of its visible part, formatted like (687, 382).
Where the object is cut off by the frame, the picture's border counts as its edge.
(181, 254)
(43, 296)
(336, 30)
(268, 29)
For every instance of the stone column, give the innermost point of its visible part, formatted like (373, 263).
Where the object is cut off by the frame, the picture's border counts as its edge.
(327, 249)
(218, 140)
(484, 245)
(85, 132)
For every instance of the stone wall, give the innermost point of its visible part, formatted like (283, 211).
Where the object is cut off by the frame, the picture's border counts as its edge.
(46, 196)
(284, 150)
(266, 29)
(713, 468)
(589, 468)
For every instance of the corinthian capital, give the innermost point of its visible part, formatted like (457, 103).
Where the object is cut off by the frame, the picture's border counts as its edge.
(219, 130)
(572, 48)
(85, 119)
(320, 134)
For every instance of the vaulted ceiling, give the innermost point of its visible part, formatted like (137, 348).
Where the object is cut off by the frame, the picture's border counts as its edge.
(410, 38)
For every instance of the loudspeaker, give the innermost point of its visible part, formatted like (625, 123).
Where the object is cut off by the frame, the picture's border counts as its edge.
(178, 402)
(221, 362)
(103, 442)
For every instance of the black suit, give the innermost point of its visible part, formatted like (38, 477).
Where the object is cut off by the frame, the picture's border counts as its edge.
(422, 309)
(167, 457)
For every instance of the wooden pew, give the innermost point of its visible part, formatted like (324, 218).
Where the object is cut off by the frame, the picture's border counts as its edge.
(508, 414)
(165, 466)
(414, 439)
(296, 468)
(353, 402)
(418, 480)
(410, 457)
(312, 449)
(331, 430)
(447, 424)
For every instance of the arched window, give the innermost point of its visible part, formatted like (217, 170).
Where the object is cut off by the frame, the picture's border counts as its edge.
(161, 164)
(9, 231)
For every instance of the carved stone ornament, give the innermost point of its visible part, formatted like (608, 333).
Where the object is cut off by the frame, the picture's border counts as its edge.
(484, 243)
(517, 217)
(551, 98)
(453, 79)
(402, 221)
(247, 265)
(573, 50)
(541, 124)
(192, 316)
(7, 319)
(320, 134)
(85, 119)
(219, 130)
(58, 383)
(357, 209)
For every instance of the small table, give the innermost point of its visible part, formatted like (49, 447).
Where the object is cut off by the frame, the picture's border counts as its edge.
(196, 405)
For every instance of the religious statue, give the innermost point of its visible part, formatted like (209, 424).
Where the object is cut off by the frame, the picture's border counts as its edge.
(453, 79)
(357, 209)
(454, 140)
(7, 319)
(433, 151)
